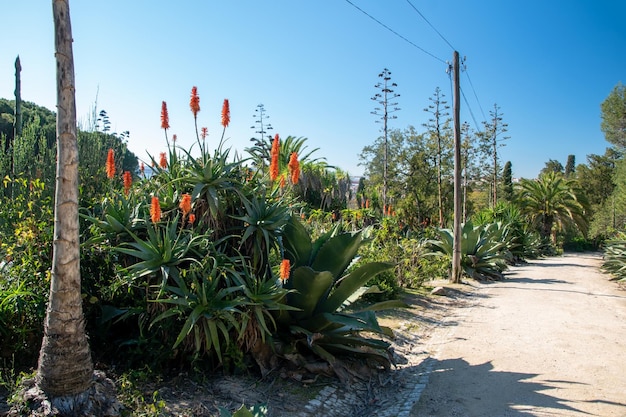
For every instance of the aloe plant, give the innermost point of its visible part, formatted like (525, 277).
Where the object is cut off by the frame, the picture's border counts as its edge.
(323, 289)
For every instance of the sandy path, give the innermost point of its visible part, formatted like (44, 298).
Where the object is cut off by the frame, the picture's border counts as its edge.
(550, 340)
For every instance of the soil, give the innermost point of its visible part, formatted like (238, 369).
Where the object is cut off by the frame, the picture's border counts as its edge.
(287, 393)
(548, 340)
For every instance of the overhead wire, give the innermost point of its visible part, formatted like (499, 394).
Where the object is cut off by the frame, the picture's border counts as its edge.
(464, 69)
(395, 33)
(431, 54)
(431, 25)
(475, 95)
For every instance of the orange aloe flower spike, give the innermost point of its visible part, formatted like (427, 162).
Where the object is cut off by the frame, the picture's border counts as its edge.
(185, 204)
(192, 218)
(225, 113)
(155, 210)
(110, 166)
(274, 155)
(194, 102)
(162, 160)
(165, 118)
(128, 181)
(285, 266)
(294, 167)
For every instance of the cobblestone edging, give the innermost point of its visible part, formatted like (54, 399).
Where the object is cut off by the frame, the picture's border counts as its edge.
(396, 396)
(399, 395)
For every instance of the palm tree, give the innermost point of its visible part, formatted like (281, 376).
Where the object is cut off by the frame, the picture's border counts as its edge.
(65, 368)
(552, 203)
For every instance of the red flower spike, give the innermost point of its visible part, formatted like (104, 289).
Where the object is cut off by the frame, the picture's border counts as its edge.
(185, 204)
(194, 102)
(128, 181)
(285, 266)
(110, 166)
(225, 113)
(155, 210)
(165, 118)
(294, 167)
(274, 155)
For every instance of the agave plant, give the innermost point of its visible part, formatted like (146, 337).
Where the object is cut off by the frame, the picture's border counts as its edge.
(615, 259)
(323, 290)
(484, 249)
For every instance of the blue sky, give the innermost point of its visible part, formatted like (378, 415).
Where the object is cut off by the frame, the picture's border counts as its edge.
(548, 65)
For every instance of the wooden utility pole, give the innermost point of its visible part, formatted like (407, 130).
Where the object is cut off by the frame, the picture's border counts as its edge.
(456, 109)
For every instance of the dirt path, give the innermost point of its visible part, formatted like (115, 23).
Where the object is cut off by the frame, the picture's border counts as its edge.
(549, 340)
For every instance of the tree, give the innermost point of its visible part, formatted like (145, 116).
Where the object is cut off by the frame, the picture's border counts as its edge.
(439, 132)
(383, 98)
(65, 369)
(552, 166)
(490, 140)
(570, 166)
(471, 170)
(603, 181)
(613, 114)
(507, 181)
(552, 203)
(412, 175)
(260, 150)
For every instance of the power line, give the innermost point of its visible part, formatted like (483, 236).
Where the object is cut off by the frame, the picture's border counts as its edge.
(431, 25)
(394, 32)
(470, 110)
(475, 95)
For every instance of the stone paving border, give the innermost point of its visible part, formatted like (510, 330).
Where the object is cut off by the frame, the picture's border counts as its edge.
(409, 379)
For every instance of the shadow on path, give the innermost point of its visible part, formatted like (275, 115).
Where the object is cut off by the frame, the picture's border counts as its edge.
(500, 393)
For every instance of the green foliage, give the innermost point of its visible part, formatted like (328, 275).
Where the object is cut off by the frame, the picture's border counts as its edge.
(258, 410)
(553, 203)
(133, 397)
(33, 153)
(408, 252)
(323, 288)
(615, 258)
(26, 225)
(613, 113)
(507, 182)
(209, 310)
(484, 249)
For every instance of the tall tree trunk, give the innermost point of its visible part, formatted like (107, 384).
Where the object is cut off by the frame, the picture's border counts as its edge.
(65, 366)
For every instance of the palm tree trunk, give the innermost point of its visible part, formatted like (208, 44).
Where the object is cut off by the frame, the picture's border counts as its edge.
(65, 366)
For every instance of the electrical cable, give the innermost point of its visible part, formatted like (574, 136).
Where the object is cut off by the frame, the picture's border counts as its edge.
(431, 25)
(394, 32)
(475, 95)
(470, 110)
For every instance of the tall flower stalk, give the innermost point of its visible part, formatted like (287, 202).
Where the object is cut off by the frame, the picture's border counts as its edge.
(194, 105)
(128, 181)
(155, 210)
(110, 166)
(225, 117)
(294, 168)
(275, 153)
(165, 121)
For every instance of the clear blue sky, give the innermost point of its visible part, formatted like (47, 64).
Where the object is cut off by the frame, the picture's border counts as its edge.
(548, 65)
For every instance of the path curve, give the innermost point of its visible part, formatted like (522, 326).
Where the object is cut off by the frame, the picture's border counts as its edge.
(549, 340)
